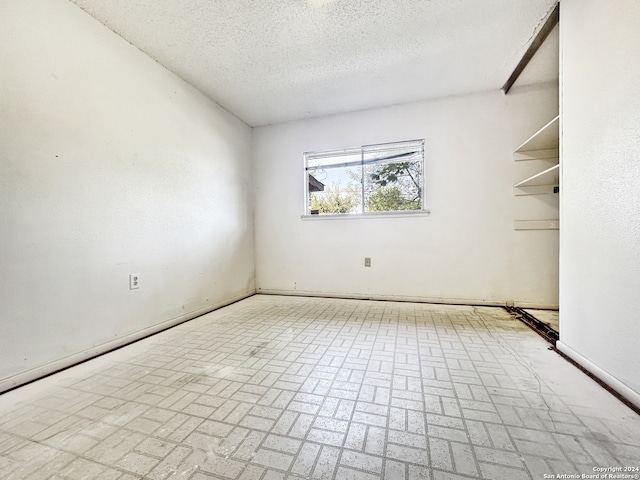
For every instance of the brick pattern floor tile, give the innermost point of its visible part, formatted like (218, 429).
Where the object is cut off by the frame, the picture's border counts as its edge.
(310, 388)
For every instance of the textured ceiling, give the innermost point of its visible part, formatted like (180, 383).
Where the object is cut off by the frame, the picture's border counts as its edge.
(269, 61)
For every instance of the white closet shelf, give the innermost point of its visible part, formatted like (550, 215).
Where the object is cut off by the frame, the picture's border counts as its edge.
(546, 181)
(542, 144)
(536, 224)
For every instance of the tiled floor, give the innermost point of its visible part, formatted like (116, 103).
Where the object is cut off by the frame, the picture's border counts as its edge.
(282, 387)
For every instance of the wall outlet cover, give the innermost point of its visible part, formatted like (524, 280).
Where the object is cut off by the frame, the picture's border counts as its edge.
(134, 281)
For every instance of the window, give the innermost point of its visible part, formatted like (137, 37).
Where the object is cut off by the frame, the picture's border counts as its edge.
(370, 179)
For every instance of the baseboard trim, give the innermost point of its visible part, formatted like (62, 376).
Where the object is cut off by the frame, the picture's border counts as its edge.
(405, 298)
(621, 390)
(50, 368)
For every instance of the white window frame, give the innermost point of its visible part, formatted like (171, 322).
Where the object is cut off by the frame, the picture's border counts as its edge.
(418, 145)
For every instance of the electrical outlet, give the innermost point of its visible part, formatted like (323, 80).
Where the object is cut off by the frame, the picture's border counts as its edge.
(367, 261)
(134, 281)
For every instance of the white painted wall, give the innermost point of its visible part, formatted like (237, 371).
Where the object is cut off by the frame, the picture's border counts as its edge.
(465, 251)
(600, 198)
(109, 165)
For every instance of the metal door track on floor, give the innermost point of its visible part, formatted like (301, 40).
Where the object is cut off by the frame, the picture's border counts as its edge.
(541, 328)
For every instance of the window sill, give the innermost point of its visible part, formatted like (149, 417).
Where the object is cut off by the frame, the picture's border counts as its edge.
(353, 216)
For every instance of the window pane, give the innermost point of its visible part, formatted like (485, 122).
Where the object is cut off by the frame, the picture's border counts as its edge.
(373, 178)
(335, 190)
(393, 180)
